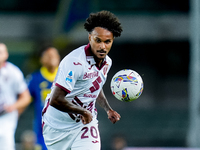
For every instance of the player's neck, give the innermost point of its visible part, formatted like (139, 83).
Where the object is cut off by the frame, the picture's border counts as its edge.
(51, 69)
(2, 64)
(98, 61)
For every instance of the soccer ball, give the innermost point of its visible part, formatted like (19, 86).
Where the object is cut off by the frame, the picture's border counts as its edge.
(126, 85)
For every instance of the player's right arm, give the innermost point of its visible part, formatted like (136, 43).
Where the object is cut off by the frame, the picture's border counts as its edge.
(59, 101)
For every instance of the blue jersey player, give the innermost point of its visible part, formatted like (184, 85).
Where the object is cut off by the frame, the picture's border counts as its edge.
(39, 84)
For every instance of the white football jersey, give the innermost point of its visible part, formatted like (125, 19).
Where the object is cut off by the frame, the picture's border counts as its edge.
(12, 83)
(83, 80)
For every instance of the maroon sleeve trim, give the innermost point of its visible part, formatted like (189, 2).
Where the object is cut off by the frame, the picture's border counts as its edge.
(60, 86)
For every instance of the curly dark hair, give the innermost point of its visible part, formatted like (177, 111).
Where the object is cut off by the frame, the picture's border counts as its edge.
(104, 19)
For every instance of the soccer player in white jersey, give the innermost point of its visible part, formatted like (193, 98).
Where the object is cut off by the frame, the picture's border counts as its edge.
(69, 115)
(14, 97)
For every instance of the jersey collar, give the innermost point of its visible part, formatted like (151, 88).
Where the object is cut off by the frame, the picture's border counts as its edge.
(90, 57)
(48, 75)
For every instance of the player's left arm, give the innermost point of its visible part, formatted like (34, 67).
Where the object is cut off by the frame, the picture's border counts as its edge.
(22, 102)
(102, 101)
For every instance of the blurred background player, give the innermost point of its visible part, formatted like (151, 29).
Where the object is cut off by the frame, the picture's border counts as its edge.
(14, 98)
(118, 142)
(28, 140)
(39, 84)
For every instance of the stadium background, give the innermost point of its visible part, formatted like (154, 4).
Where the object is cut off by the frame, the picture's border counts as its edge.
(155, 43)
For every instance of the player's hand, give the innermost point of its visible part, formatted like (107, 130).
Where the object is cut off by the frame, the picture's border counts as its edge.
(86, 117)
(9, 108)
(113, 116)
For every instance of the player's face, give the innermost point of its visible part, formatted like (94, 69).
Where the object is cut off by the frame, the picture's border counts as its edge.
(3, 54)
(101, 41)
(50, 58)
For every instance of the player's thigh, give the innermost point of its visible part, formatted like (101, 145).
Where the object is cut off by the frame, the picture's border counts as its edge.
(57, 139)
(88, 138)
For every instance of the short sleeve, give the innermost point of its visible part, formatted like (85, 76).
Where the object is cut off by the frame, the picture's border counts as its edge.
(70, 70)
(20, 84)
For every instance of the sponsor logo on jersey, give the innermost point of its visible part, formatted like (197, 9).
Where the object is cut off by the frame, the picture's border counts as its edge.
(89, 75)
(90, 95)
(69, 77)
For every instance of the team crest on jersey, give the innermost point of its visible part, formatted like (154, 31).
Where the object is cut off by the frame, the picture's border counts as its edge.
(105, 69)
(69, 76)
